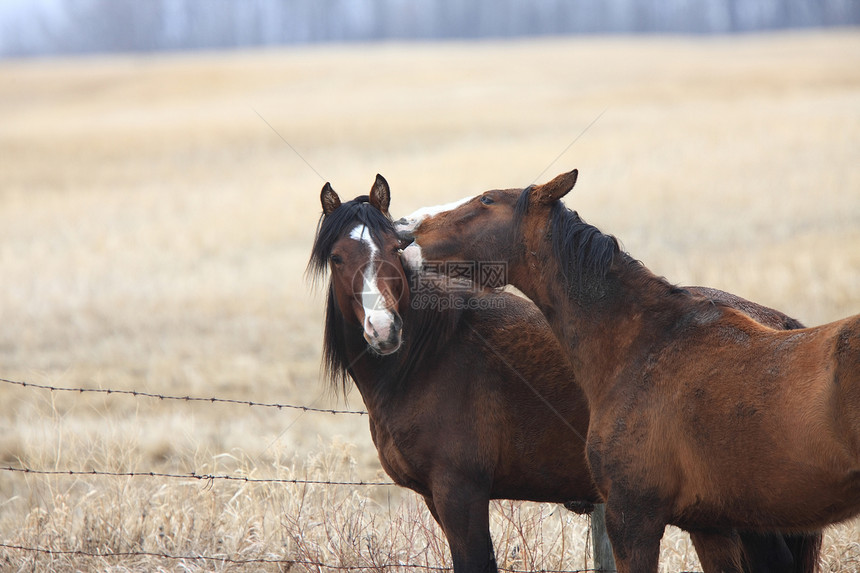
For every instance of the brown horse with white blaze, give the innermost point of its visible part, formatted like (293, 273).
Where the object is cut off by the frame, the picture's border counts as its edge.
(458, 391)
(700, 416)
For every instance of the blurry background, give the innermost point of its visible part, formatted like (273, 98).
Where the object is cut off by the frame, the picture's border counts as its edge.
(155, 226)
(79, 26)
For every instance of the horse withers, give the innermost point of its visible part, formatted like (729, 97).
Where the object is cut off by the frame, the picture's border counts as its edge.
(700, 416)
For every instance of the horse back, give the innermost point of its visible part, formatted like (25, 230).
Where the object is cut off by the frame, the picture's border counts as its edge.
(808, 371)
(529, 400)
(526, 361)
(767, 411)
(761, 314)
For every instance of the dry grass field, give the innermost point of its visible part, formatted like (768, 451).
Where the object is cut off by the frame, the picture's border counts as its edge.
(154, 232)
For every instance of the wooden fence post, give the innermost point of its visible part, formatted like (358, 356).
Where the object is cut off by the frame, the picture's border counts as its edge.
(602, 549)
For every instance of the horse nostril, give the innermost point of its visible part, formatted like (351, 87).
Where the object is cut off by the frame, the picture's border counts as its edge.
(371, 327)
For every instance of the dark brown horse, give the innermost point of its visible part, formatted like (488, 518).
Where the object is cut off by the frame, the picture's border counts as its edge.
(700, 416)
(467, 398)
(467, 395)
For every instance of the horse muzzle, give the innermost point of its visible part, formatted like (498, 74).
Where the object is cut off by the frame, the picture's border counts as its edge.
(383, 331)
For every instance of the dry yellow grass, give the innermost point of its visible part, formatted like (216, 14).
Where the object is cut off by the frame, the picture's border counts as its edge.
(154, 232)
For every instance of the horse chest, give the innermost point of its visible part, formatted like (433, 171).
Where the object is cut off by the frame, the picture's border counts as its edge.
(397, 461)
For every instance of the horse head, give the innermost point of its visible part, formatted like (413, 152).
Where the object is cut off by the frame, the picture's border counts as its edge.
(357, 244)
(497, 226)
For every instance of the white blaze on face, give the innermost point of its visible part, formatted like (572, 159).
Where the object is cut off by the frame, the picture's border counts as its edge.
(411, 255)
(410, 222)
(378, 319)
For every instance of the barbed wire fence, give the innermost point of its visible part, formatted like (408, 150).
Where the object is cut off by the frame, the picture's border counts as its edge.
(189, 476)
(210, 478)
(211, 400)
(263, 560)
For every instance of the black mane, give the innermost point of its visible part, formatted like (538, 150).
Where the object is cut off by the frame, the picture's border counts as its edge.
(584, 253)
(426, 329)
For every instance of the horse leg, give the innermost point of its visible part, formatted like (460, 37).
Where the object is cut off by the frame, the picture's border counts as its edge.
(635, 530)
(432, 507)
(766, 553)
(719, 550)
(805, 549)
(465, 519)
(777, 553)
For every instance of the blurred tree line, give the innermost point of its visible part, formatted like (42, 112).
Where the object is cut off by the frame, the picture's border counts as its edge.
(29, 27)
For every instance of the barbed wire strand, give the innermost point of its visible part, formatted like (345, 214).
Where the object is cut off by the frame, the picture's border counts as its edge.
(222, 559)
(258, 560)
(211, 478)
(195, 476)
(212, 400)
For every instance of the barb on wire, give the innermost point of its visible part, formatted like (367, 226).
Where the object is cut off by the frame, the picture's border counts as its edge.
(220, 558)
(196, 476)
(125, 554)
(211, 400)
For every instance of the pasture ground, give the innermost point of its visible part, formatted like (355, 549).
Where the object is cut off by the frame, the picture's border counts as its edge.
(154, 232)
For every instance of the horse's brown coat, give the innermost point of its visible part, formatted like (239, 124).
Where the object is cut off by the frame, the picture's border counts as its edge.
(700, 417)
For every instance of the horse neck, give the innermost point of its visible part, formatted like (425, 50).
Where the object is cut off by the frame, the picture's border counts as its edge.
(383, 381)
(365, 373)
(602, 327)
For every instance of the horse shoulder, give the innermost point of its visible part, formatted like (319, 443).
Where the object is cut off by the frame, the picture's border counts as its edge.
(394, 460)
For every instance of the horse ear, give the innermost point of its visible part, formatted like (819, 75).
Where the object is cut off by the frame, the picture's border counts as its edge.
(555, 189)
(380, 195)
(329, 199)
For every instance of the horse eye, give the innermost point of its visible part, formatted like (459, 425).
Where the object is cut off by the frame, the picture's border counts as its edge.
(337, 259)
(487, 200)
